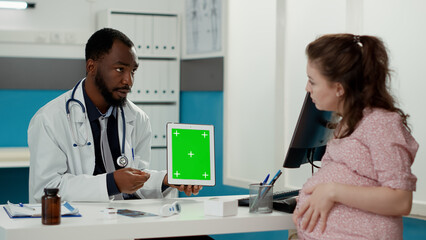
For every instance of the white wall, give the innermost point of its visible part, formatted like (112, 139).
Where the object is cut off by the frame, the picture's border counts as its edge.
(401, 26)
(252, 75)
(306, 20)
(66, 16)
(249, 91)
(265, 78)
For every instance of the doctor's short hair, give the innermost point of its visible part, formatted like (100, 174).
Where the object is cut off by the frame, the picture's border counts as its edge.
(100, 43)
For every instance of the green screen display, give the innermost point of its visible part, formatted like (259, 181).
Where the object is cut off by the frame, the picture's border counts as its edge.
(191, 154)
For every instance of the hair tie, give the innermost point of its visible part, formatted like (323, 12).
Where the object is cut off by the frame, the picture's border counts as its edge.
(357, 40)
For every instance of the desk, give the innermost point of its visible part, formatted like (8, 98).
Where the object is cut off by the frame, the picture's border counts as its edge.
(14, 157)
(94, 224)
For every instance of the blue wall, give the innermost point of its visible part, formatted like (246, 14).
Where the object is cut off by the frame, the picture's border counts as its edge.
(18, 106)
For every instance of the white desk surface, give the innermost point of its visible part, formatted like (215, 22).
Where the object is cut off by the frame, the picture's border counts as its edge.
(94, 224)
(14, 157)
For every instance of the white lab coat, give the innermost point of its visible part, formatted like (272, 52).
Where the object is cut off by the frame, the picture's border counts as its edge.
(55, 162)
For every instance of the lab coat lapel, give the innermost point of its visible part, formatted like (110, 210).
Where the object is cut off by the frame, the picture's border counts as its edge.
(79, 117)
(130, 120)
(82, 158)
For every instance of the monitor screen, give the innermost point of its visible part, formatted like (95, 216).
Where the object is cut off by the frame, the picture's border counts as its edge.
(310, 135)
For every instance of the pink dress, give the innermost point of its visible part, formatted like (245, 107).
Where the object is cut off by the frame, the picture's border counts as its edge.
(379, 152)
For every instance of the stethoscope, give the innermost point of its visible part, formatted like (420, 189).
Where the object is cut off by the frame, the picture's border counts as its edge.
(122, 160)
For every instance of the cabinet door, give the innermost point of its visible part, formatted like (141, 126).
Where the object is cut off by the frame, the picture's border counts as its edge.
(172, 91)
(160, 115)
(172, 36)
(165, 36)
(125, 23)
(158, 159)
(144, 35)
(167, 80)
(145, 85)
(156, 80)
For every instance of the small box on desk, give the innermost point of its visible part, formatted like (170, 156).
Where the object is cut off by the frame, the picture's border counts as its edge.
(220, 207)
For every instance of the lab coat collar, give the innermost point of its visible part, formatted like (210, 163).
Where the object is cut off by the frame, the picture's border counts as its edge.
(78, 116)
(129, 115)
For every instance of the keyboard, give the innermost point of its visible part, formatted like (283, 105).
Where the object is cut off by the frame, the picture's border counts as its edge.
(284, 201)
(280, 195)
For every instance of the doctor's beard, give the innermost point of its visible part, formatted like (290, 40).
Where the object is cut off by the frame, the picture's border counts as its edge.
(100, 83)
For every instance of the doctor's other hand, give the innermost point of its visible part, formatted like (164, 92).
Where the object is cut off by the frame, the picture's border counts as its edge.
(129, 180)
(187, 189)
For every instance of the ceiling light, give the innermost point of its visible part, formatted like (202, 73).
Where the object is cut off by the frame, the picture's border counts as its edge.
(16, 5)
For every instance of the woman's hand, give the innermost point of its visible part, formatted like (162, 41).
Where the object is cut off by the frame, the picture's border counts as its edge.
(379, 200)
(295, 213)
(317, 207)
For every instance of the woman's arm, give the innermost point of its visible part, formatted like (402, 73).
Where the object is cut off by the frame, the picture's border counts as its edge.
(379, 200)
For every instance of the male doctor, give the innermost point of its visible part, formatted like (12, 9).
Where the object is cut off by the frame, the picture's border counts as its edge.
(92, 142)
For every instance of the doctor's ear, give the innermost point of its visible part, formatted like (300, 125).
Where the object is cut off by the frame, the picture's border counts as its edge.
(90, 66)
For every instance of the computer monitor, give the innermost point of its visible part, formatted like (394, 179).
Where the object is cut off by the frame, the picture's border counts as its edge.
(310, 136)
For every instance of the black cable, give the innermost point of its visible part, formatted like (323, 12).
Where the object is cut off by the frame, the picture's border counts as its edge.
(310, 157)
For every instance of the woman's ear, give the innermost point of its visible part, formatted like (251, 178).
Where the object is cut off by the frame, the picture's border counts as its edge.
(340, 91)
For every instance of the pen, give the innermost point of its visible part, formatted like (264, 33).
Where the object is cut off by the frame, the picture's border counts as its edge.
(133, 154)
(22, 205)
(274, 179)
(272, 182)
(266, 179)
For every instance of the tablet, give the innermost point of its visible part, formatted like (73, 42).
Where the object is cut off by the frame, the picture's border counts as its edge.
(190, 154)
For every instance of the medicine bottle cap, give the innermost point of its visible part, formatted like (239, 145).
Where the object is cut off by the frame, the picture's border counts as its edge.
(51, 191)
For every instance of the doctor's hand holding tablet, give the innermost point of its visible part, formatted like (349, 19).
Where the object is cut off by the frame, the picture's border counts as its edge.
(187, 189)
(129, 180)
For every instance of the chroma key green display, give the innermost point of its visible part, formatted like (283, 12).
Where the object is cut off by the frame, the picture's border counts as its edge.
(191, 154)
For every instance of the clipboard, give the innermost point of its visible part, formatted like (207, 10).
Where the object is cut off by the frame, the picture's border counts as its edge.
(34, 210)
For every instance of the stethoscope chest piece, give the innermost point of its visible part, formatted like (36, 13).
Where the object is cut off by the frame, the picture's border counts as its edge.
(122, 161)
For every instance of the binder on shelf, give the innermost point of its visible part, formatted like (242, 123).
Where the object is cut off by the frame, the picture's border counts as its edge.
(156, 126)
(172, 36)
(159, 36)
(158, 159)
(160, 115)
(155, 79)
(152, 112)
(148, 79)
(173, 81)
(162, 80)
(144, 31)
(126, 24)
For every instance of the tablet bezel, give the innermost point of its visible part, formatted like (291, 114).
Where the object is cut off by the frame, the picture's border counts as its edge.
(170, 178)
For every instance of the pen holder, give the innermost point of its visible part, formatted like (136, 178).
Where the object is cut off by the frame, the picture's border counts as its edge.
(261, 198)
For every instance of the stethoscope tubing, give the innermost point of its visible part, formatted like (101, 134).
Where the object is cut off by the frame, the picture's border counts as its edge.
(72, 99)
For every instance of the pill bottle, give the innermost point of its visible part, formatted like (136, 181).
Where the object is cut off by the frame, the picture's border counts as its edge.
(51, 207)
